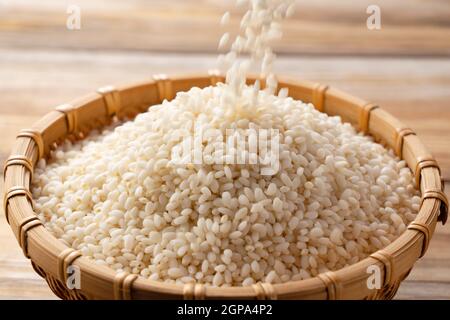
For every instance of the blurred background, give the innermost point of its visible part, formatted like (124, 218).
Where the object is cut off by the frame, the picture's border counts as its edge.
(404, 67)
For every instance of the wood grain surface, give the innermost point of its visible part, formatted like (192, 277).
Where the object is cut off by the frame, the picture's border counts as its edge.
(409, 27)
(405, 67)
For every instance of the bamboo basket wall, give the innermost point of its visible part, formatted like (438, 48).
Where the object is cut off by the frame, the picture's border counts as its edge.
(50, 257)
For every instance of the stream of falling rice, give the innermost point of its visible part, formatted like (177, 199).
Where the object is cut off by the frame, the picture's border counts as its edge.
(259, 26)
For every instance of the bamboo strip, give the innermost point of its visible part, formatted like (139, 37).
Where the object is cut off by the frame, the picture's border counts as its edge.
(122, 285)
(71, 117)
(194, 291)
(331, 284)
(423, 228)
(401, 134)
(318, 96)
(111, 98)
(36, 137)
(364, 116)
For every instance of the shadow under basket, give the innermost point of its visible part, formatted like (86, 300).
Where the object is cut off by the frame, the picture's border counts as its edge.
(51, 258)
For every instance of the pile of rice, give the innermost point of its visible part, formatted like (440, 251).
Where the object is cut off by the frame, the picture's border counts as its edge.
(120, 199)
(125, 200)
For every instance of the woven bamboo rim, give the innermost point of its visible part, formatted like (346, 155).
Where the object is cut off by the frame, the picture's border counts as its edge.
(50, 257)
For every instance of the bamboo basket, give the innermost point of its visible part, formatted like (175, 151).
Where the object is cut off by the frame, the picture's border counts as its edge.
(51, 258)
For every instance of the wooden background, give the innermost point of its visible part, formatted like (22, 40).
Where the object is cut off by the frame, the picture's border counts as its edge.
(405, 67)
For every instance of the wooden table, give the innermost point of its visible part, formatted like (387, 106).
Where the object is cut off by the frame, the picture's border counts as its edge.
(405, 67)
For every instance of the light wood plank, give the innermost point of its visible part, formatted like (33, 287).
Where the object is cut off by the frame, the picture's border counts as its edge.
(423, 290)
(409, 27)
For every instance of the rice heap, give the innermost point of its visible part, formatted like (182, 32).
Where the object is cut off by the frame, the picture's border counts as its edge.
(327, 198)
